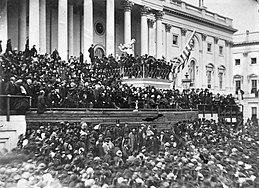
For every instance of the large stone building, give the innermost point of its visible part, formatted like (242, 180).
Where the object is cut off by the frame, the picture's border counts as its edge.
(246, 71)
(160, 27)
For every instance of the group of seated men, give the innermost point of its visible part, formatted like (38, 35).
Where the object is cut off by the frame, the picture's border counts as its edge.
(53, 83)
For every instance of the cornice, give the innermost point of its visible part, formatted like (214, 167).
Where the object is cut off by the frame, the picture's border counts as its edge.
(246, 44)
(198, 19)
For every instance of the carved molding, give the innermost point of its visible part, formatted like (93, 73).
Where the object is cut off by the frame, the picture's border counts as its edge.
(159, 15)
(168, 27)
(183, 31)
(150, 23)
(245, 54)
(144, 10)
(216, 40)
(127, 5)
(203, 36)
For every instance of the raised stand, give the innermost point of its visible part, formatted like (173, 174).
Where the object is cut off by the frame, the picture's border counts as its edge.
(110, 117)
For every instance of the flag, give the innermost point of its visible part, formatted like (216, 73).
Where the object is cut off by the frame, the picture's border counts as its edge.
(184, 56)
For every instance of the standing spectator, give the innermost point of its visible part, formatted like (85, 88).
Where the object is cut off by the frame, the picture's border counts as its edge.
(9, 46)
(1, 49)
(81, 58)
(41, 106)
(10, 88)
(34, 51)
(91, 53)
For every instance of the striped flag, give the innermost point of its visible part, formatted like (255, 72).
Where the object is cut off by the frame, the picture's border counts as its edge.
(180, 62)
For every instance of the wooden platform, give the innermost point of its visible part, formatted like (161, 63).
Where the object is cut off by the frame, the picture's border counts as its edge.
(110, 116)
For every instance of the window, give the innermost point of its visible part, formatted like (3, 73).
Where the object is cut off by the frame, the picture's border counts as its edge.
(253, 60)
(175, 39)
(209, 47)
(254, 86)
(238, 84)
(220, 80)
(99, 28)
(237, 61)
(209, 79)
(220, 50)
(192, 72)
(254, 113)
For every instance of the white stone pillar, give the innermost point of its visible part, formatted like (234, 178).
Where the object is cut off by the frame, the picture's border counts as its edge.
(159, 37)
(71, 30)
(88, 28)
(3, 24)
(216, 61)
(62, 28)
(22, 25)
(43, 27)
(34, 23)
(168, 42)
(144, 30)
(110, 27)
(150, 37)
(204, 63)
(127, 5)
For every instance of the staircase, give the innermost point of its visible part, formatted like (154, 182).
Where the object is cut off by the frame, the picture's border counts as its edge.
(10, 131)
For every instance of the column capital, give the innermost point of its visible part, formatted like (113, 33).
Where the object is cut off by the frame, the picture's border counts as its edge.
(203, 36)
(144, 10)
(168, 27)
(229, 43)
(150, 22)
(127, 5)
(216, 40)
(245, 54)
(159, 15)
(183, 31)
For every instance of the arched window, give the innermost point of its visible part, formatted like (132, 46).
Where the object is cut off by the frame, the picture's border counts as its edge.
(192, 72)
(221, 71)
(209, 71)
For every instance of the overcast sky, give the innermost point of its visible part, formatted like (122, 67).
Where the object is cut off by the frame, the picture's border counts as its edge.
(244, 13)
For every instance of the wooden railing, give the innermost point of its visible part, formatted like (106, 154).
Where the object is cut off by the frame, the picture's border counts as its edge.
(7, 106)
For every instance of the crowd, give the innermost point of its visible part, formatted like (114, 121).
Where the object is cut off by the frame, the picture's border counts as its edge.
(53, 83)
(199, 153)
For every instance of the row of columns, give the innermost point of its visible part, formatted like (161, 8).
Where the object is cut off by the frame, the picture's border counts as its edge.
(145, 32)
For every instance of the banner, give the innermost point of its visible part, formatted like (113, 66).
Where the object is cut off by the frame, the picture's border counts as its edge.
(180, 62)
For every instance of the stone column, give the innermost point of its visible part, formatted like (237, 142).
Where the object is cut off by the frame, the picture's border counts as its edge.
(204, 63)
(62, 28)
(144, 30)
(88, 28)
(127, 5)
(150, 41)
(110, 27)
(71, 30)
(3, 24)
(34, 23)
(167, 40)
(22, 25)
(216, 72)
(43, 27)
(159, 37)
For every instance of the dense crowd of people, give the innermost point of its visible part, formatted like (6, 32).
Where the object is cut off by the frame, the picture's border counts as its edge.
(199, 153)
(53, 83)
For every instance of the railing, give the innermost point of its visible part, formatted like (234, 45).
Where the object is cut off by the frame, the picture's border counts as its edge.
(8, 103)
(229, 111)
(145, 72)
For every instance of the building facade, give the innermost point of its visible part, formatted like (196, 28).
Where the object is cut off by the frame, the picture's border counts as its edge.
(246, 69)
(161, 28)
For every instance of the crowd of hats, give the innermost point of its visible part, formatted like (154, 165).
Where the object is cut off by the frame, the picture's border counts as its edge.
(75, 84)
(191, 154)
